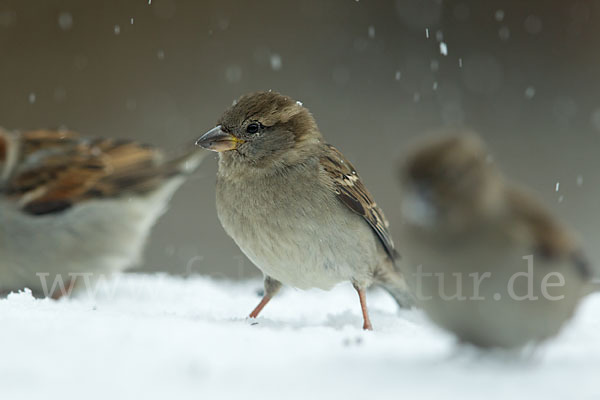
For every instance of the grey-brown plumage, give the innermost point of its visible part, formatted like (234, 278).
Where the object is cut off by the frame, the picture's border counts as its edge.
(479, 250)
(293, 203)
(55, 170)
(76, 208)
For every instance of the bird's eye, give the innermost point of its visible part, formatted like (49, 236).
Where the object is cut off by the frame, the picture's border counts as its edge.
(252, 128)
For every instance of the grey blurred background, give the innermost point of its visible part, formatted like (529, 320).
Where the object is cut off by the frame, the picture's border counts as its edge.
(524, 74)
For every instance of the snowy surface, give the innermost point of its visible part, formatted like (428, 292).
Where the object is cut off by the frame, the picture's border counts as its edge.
(162, 337)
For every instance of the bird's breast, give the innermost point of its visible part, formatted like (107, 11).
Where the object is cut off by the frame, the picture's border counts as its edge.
(295, 230)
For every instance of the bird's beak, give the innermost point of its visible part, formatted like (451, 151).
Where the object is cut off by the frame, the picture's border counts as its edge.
(218, 140)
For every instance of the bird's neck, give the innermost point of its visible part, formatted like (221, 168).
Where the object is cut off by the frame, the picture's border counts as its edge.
(235, 167)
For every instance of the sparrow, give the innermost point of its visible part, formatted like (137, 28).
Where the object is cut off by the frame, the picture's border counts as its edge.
(484, 258)
(295, 206)
(77, 207)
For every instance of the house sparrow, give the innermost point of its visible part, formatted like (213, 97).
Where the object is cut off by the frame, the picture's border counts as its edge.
(484, 258)
(74, 207)
(295, 206)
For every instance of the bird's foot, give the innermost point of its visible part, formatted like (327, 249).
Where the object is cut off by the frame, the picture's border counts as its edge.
(259, 307)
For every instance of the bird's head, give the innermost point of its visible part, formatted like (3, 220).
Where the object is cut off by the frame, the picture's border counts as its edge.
(451, 183)
(263, 128)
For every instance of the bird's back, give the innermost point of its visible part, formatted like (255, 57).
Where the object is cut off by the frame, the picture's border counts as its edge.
(51, 171)
(72, 205)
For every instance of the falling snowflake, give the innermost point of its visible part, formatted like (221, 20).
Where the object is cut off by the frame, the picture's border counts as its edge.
(276, 62)
(443, 48)
(529, 92)
(65, 21)
(372, 32)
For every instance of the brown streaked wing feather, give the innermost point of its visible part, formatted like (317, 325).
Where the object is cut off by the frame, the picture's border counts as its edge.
(40, 140)
(134, 168)
(59, 170)
(48, 136)
(58, 183)
(353, 193)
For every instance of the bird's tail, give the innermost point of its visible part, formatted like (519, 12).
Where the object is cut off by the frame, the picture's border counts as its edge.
(142, 169)
(393, 282)
(186, 163)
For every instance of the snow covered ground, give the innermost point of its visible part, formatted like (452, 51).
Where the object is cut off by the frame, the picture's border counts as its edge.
(151, 337)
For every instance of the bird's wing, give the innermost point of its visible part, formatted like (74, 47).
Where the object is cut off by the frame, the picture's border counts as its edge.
(351, 191)
(551, 240)
(56, 170)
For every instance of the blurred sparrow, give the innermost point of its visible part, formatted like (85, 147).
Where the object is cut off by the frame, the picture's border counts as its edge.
(74, 207)
(484, 259)
(295, 206)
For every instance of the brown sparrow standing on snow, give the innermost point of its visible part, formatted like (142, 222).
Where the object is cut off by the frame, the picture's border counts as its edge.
(73, 206)
(294, 205)
(484, 258)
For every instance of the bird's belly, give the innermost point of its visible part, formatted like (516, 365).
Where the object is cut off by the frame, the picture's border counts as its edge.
(300, 260)
(304, 246)
(299, 269)
(90, 241)
(489, 296)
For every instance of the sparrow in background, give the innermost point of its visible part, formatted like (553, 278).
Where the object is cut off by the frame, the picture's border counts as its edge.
(484, 258)
(71, 205)
(295, 206)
